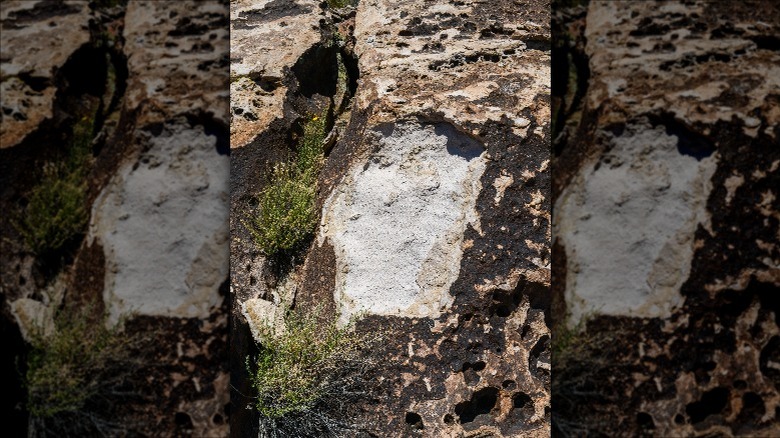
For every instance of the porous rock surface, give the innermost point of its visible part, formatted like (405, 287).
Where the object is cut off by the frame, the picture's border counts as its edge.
(27, 72)
(434, 204)
(666, 219)
(155, 245)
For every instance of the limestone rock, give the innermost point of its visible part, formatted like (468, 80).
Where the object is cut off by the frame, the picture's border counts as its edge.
(434, 200)
(177, 57)
(666, 220)
(151, 78)
(267, 36)
(36, 41)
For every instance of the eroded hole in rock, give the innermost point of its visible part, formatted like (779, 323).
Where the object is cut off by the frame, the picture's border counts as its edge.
(540, 352)
(414, 421)
(40, 11)
(481, 402)
(273, 10)
(689, 142)
(470, 372)
(645, 420)
(212, 127)
(37, 83)
(766, 42)
(183, 421)
(540, 45)
(522, 406)
(75, 79)
(769, 295)
(317, 71)
(702, 366)
(519, 400)
(753, 408)
(711, 403)
(504, 303)
(476, 366)
(539, 297)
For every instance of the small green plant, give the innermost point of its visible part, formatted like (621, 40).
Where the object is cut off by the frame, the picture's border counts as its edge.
(286, 214)
(72, 371)
(338, 4)
(56, 211)
(306, 372)
(565, 339)
(59, 363)
(581, 355)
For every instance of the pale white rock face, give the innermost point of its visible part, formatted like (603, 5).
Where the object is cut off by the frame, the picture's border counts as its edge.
(175, 267)
(397, 220)
(627, 225)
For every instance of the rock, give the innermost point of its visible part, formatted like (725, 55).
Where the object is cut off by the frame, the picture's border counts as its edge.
(37, 40)
(640, 202)
(33, 316)
(180, 181)
(151, 80)
(666, 220)
(177, 56)
(413, 199)
(266, 36)
(261, 313)
(433, 201)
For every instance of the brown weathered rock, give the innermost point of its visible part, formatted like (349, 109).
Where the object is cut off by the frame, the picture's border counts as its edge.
(37, 40)
(434, 204)
(666, 221)
(155, 74)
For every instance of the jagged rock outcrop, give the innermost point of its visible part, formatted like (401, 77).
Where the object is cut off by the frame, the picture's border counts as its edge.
(433, 201)
(155, 245)
(665, 219)
(27, 83)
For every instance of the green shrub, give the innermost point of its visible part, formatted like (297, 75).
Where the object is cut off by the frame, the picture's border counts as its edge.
(337, 4)
(56, 211)
(72, 373)
(306, 373)
(286, 214)
(64, 367)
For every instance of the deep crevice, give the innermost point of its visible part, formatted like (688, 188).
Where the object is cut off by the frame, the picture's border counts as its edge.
(89, 86)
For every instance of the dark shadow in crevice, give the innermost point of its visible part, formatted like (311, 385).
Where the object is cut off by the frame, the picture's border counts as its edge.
(317, 71)
(689, 142)
(212, 127)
